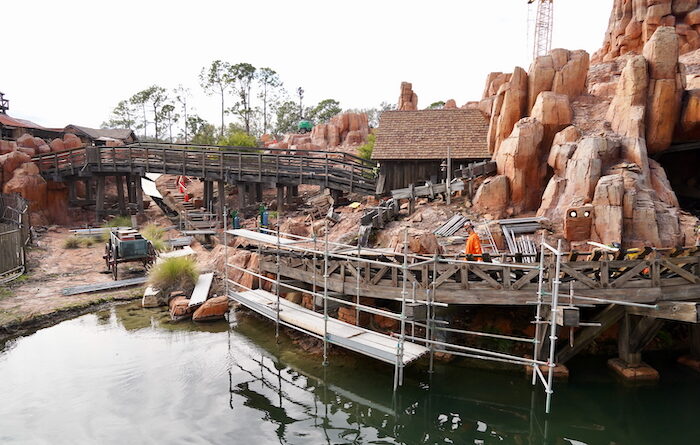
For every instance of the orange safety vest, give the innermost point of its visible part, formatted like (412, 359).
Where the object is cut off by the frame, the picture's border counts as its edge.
(473, 246)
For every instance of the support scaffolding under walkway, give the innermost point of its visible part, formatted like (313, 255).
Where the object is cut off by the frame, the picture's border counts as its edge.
(419, 327)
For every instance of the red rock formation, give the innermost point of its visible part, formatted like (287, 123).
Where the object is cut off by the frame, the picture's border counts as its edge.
(450, 104)
(633, 22)
(553, 111)
(408, 100)
(628, 108)
(71, 141)
(493, 196)
(57, 145)
(9, 162)
(212, 309)
(179, 308)
(27, 181)
(509, 105)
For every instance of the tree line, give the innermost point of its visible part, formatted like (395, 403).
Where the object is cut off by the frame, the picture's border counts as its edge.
(255, 98)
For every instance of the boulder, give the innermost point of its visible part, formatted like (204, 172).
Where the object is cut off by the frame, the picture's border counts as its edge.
(31, 152)
(509, 107)
(607, 217)
(248, 280)
(540, 78)
(408, 100)
(239, 259)
(27, 181)
(7, 146)
(450, 104)
(665, 91)
(494, 82)
(298, 228)
(425, 243)
(212, 309)
(570, 79)
(9, 162)
(520, 159)
(180, 309)
(29, 141)
(57, 145)
(153, 297)
(627, 109)
(553, 111)
(349, 315)
(71, 141)
(493, 196)
(690, 116)
(385, 323)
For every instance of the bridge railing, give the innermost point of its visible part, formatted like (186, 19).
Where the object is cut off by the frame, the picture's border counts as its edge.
(330, 169)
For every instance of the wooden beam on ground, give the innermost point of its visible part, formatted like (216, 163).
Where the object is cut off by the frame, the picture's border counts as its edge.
(110, 285)
(201, 289)
(686, 311)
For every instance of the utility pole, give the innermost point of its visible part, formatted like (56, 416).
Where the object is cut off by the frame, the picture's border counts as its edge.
(300, 92)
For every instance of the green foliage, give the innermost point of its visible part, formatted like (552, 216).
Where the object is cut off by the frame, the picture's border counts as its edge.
(324, 111)
(436, 105)
(217, 80)
(123, 116)
(119, 221)
(365, 150)
(287, 114)
(243, 74)
(156, 235)
(178, 273)
(270, 85)
(72, 242)
(87, 241)
(239, 139)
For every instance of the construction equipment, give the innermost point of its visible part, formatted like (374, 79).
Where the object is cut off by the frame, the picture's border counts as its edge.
(544, 22)
(304, 126)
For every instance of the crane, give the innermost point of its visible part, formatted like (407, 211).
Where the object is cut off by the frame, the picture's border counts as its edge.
(544, 22)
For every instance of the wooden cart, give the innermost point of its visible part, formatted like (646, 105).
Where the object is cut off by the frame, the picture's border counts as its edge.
(126, 246)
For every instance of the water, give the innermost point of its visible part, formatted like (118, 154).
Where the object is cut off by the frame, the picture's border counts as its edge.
(127, 375)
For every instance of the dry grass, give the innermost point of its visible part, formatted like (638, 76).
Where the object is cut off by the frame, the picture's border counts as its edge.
(156, 235)
(72, 242)
(171, 274)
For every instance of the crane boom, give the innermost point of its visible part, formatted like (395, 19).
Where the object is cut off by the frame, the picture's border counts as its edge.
(544, 22)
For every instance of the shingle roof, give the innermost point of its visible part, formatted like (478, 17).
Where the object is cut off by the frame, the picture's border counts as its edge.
(97, 133)
(426, 134)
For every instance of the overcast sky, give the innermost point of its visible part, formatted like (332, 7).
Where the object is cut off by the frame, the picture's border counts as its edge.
(70, 62)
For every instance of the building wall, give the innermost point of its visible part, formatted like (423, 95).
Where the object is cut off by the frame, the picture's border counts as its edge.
(401, 173)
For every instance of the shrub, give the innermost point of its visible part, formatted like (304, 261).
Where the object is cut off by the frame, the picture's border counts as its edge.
(171, 274)
(119, 221)
(365, 151)
(87, 241)
(156, 236)
(72, 242)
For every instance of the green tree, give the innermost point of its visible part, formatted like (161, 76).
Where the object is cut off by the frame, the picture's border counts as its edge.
(244, 76)
(122, 116)
(439, 105)
(141, 99)
(239, 138)
(287, 114)
(158, 98)
(182, 95)
(217, 80)
(169, 117)
(324, 111)
(270, 83)
(202, 131)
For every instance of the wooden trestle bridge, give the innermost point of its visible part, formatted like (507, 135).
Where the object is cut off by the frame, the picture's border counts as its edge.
(247, 167)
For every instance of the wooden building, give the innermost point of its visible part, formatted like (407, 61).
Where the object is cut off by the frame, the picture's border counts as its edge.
(12, 128)
(100, 136)
(411, 145)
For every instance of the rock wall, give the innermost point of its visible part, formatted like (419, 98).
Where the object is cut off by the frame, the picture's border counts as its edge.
(633, 22)
(408, 100)
(343, 130)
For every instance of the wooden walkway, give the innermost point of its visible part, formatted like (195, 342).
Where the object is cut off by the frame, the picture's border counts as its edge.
(641, 281)
(334, 170)
(364, 341)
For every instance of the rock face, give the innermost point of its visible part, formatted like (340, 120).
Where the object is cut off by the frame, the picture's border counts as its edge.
(179, 308)
(628, 108)
(212, 309)
(27, 181)
(408, 100)
(509, 105)
(347, 129)
(666, 85)
(493, 196)
(561, 71)
(9, 162)
(553, 111)
(519, 158)
(633, 22)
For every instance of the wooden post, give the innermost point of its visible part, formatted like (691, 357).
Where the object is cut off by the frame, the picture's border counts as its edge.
(120, 194)
(131, 188)
(280, 198)
(695, 341)
(258, 192)
(290, 195)
(624, 343)
(139, 194)
(206, 196)
(241, 195)
(71, 191)
(222, 197)
(89, 195)
(100, 198)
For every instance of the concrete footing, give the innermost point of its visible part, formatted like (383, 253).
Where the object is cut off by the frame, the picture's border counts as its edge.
(637, 373)
(561, 372)
(690, 361)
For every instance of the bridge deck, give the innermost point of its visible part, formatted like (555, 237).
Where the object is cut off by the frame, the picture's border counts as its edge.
(334, 170)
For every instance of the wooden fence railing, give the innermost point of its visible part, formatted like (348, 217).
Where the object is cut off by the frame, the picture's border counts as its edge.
(14, 235)
(334, 170)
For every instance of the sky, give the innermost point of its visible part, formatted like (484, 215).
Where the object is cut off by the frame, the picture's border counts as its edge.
(70, 62)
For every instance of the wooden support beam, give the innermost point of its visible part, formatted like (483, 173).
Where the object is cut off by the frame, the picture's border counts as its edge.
(686, 311)
(280, 198)
(71, 192)
(635, 334)
(221, 191)
(241, 195)
(607, 317)
(139, 194)
(695, 341)
(131, 188)
(120, 194)
(100, 198)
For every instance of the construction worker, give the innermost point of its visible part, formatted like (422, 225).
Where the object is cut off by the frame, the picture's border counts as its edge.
(473, 246)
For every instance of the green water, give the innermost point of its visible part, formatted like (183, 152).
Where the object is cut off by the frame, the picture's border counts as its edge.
(129, 376)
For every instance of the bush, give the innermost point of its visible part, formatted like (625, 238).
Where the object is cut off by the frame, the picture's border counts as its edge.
(171, 274)
(156, 235)
(239, 139)
(365, 151)
(87, 241)
(72, 242)
(119, 221)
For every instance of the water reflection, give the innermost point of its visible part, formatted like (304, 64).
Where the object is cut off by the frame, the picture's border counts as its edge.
(128, 375)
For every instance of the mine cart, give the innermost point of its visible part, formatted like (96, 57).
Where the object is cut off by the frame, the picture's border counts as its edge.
(126, 246)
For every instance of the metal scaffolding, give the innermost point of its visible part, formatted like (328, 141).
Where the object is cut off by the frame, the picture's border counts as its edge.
(417, 312)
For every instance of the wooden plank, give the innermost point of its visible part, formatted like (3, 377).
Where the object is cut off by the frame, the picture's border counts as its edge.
(201, 289)
(578, 276)
(110, 285)
(670, 310)
(680, 271)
